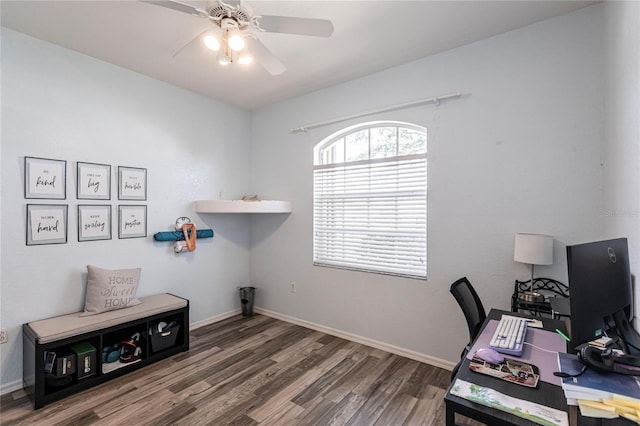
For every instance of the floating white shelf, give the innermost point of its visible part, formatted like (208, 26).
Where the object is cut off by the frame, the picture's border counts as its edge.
(240, 206)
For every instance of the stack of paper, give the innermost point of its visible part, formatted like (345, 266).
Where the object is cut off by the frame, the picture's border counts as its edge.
(604, 395)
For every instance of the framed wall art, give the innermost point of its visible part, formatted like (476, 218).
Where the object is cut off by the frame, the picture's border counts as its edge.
(132, 221)
(93, 181)
(132, 183)
(94, 222)
(45, 178)
(46, 224)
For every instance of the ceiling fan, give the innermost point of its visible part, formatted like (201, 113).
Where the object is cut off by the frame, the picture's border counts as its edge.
(233, 35)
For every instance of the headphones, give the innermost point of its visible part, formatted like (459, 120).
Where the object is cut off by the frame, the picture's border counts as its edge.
(126, 351)
(129, 349)
(607, 361)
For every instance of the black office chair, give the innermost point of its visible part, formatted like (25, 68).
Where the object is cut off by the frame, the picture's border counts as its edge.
(473, 310)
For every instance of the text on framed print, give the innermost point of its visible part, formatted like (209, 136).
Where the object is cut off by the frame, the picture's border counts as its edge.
(94, 222)
(46, 224)
(132, 221)
(45, 178)
(132, 183)
(94, 181)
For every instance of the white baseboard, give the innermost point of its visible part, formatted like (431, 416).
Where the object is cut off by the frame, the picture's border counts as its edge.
(214, 319)
(11, 387)
(417, 356)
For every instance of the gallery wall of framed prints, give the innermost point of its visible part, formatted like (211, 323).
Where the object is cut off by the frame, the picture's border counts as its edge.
(48, 222)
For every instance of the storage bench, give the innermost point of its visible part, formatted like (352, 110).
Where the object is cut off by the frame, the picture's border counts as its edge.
(69, 353)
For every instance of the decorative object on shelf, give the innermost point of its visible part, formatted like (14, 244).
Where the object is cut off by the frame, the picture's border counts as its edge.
(132, 221)
(184, 236)
(45, 178)
(534, 249)
(93, 181)
(94, 222)
(242, 206)
(132, 183)
(46, 224)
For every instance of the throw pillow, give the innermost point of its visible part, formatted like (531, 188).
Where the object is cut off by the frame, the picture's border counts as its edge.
(108, 290)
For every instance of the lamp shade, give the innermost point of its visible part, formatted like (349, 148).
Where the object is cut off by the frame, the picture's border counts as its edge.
(534, 249)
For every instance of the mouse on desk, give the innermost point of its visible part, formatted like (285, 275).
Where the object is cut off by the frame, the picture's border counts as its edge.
(490, 355)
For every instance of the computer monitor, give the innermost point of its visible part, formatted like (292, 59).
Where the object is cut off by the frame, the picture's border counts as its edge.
(599, 287)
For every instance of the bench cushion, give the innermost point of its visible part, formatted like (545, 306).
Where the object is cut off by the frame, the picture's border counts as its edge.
(52, 329)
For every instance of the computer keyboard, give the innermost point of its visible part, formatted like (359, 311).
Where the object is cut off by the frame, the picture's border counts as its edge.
(509, 336)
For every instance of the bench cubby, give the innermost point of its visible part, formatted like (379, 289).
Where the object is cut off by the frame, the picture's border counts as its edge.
(72, 337)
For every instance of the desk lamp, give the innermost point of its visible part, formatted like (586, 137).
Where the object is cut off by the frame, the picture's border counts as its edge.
(534, 249)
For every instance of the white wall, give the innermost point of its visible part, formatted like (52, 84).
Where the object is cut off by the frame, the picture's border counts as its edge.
(520, 152)
(622, 127)
(59, 104)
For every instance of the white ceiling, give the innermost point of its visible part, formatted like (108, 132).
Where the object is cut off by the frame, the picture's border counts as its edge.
(369, 36)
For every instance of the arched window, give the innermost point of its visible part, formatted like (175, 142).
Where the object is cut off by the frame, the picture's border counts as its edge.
(370, 199)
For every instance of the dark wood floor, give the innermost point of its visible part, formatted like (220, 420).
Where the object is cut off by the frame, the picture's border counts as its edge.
(256, 371)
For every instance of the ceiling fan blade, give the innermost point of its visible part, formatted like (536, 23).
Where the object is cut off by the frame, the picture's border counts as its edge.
(292, 25)
(180, 7)
(264, 57)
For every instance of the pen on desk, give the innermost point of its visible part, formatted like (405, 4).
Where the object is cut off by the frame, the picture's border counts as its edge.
(564, 336)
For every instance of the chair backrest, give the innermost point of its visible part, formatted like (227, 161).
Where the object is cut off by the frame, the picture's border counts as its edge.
(470, 304)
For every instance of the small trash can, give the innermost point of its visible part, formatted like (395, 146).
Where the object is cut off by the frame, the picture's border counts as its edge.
(246, 299)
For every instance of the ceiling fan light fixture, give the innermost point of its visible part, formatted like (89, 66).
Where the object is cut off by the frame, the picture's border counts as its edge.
(231, 20)
(211, 42)
(236, 42)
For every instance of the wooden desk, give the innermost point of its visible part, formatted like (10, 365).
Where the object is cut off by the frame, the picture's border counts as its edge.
(546, 393)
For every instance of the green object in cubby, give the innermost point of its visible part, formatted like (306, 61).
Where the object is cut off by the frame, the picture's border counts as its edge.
(86, 359)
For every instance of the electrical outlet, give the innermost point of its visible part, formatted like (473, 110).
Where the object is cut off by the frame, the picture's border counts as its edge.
(3, 336)
(293, 288)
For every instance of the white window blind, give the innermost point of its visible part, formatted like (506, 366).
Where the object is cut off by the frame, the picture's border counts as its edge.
(372, 215)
